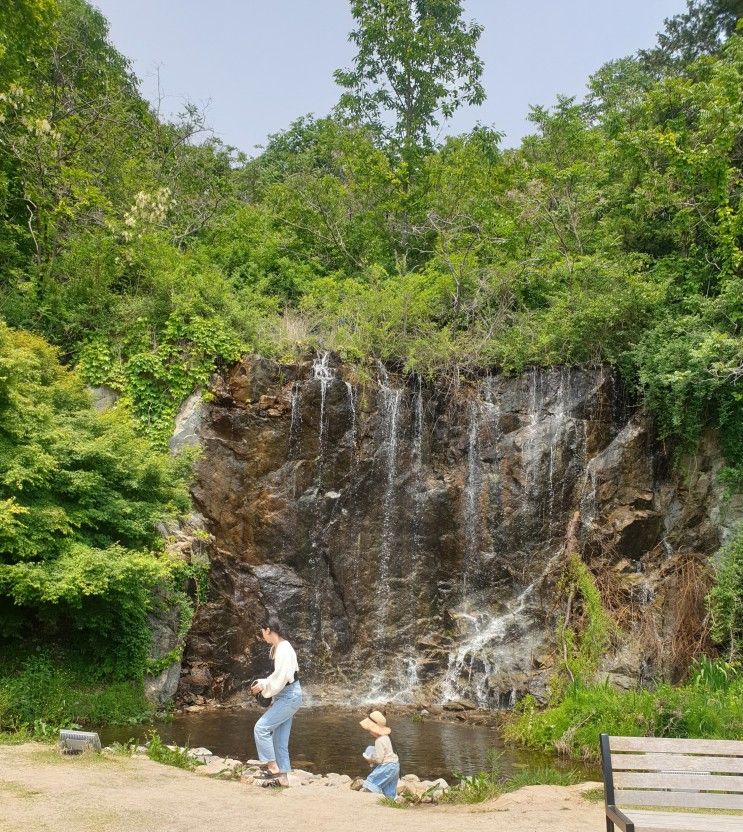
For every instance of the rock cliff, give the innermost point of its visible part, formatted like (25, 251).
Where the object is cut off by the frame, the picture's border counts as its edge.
(410, 535)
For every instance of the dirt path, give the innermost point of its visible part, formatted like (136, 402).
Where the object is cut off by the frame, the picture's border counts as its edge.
(41, 791)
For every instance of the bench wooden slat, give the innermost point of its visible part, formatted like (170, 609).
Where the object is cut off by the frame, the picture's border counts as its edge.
(728, 748)
(695, 782)
(684, 800)
(683, 822)
(676, 763)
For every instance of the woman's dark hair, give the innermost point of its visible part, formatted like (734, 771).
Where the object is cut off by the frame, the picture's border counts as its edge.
(273, 624)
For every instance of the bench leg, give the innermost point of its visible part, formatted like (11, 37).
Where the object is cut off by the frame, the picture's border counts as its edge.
(609, 825)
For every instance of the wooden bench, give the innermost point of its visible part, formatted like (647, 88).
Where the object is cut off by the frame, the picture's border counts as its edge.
(647, 778)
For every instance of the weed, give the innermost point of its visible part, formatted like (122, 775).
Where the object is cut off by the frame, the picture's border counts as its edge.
(17, 789)
(593, 795)
(393, 803)
(161, 753)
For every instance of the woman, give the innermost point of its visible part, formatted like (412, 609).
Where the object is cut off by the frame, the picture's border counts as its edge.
(273, 728)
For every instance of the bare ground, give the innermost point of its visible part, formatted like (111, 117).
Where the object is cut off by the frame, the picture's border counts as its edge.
(42, 791)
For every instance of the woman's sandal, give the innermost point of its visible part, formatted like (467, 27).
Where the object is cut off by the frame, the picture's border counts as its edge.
(278, 780)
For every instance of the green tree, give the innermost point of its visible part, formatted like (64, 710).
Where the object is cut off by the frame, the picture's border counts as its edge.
(416, 61)
(700, 30)
(80, 496)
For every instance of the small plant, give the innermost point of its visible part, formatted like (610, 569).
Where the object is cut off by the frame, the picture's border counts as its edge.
(123, 749)
(713, 674)
(542, 776)
(161, 753)
(593, 795)
(393, 803)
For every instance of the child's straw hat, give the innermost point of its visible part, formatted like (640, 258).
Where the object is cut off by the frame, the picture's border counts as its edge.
(376, 723)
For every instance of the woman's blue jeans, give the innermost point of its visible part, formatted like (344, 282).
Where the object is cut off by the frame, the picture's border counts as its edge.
(273, 728)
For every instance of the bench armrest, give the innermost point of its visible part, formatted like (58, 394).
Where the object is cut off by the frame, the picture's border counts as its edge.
(622, 821)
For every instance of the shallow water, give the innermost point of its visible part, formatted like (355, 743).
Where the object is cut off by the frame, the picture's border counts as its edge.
(327, 740)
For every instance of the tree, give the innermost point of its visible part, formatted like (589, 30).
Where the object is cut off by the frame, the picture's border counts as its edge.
(80, 497)
(416, 60)
(700, 30)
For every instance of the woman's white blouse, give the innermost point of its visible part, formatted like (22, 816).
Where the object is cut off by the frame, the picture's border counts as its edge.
(285, 668)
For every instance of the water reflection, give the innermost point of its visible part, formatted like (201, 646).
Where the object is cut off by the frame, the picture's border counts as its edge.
(325, 740)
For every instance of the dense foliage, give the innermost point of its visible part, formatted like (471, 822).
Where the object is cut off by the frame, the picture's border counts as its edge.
(80, 495)
(148, 251)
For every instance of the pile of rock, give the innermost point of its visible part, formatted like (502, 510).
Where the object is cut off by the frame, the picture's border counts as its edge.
(413, 789)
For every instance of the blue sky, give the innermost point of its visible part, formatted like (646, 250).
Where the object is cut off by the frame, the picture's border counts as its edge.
(258, 64)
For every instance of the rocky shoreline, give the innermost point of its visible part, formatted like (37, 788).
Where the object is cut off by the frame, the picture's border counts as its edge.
(410, 787)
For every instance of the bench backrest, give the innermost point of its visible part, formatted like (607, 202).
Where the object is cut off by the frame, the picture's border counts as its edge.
(649, 771)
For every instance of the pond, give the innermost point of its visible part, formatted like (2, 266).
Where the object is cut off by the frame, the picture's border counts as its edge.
(330, 740)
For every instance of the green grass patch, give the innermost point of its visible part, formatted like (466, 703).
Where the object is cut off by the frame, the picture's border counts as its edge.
(178, 757)
(705, 707)
(393, 803)
(41, 695)
(9, 787)
(593, 795)
(493, 782)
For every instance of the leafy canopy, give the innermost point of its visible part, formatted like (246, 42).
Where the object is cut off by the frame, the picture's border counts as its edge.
(416, 61)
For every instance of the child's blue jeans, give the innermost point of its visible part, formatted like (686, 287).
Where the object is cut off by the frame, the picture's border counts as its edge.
(383, 779)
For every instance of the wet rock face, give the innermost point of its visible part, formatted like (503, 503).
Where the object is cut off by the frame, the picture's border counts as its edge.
(409, 535)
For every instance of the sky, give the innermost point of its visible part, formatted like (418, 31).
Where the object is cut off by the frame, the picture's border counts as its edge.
(256, 65)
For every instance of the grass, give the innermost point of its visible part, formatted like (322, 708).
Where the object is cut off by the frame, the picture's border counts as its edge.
(178, 757)
(17, 789)
(489, 784)
(393, 803)
(40, 695)
(571, 726)
(593, 795)
(88, 759)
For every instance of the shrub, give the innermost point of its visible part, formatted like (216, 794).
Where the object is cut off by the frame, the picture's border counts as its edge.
(46, 693)
(725, 600)
(178, 757)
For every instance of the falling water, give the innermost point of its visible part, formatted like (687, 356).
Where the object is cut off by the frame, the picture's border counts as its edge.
(324, 374)
(475, 657)
(472, 499)
(352, 408)
(295, 426)
(389, 409)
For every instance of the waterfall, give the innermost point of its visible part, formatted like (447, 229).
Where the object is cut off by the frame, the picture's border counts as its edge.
(352, 408)
(295, 425)
(324, 374)
(475, 658)
(390, 414)
(472, 500)
(387, 675)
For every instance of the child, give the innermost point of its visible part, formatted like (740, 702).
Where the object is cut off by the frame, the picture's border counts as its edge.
(386, 772)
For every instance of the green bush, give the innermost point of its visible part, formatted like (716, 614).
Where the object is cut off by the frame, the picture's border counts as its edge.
(46, 693)
(80, 496)
(709, 705)
(492, 782)
(725, 600)
(160, 753)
